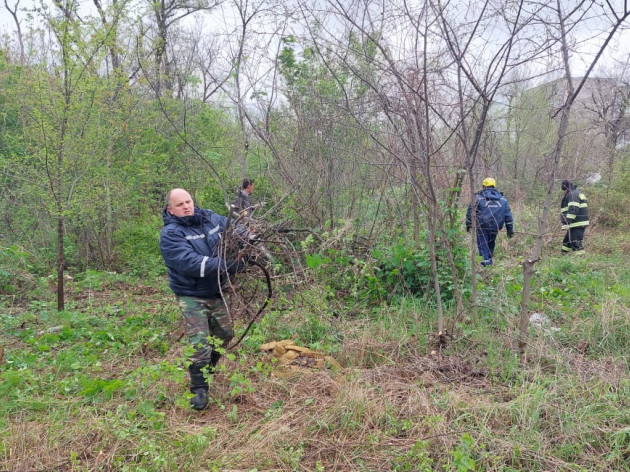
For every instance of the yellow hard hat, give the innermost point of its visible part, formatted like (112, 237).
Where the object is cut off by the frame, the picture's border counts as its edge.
(489, 182)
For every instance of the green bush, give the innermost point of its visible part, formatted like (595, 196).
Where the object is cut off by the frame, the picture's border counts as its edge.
(404, 267)
(608, 207)
(16, 275)
(400, 268)
(608, 201)
(138, 248)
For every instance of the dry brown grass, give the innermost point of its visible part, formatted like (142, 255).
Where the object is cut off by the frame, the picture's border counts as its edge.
(337, 420)
(389, 396)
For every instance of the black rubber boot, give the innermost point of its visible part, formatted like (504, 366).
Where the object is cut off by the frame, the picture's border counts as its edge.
(214, 360)
(198, 386)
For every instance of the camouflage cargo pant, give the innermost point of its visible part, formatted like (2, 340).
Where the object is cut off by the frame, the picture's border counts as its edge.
(204, 318)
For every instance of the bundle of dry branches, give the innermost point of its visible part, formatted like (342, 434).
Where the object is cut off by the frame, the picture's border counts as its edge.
(258, 245)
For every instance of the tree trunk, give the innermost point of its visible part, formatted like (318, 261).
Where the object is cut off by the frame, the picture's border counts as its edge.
(61, 261)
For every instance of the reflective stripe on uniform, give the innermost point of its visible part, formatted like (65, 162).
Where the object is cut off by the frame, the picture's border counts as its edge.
(578, 224)
(202, 272)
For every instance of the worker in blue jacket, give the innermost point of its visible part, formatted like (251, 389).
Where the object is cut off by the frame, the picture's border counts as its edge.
(492, 212)
(190, 244)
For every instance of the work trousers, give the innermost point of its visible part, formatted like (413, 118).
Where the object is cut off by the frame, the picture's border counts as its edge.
(485, 243)
(208, 327)
(573, 240)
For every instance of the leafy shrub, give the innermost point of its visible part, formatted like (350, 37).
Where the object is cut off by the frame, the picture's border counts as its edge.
(15, 271)
(404, 267)
(346, 273)
(138, 248)
(608, 208)
(608, 204)
(400, 268)
(212, 196)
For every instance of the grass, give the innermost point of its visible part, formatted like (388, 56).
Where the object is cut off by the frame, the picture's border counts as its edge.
(102, 385)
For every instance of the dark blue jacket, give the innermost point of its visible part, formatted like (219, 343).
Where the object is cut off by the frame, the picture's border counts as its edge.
(190, 247)
(493, 211)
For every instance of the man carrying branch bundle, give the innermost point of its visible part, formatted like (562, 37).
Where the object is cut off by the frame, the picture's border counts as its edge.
(190, 245)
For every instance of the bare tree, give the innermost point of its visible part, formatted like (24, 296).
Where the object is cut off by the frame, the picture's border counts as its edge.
(403, 93)
(412, 83)
(13, 11)
(607, 105)
(208, 62)
(247, 13)
(564, 22)
(166, 14)
(110, 19)
(478, 81)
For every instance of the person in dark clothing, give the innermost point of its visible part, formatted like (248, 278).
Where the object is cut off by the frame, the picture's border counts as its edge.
(190, 242)
(492, 212)
(574, 217)
(242, 201)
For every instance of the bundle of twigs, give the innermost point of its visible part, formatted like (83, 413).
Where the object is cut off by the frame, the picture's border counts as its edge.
(259, 245)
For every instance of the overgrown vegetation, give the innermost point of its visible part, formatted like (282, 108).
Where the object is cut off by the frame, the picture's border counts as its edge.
(367, 136)
(102, 385)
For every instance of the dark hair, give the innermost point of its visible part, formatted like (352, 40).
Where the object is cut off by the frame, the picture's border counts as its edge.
(566, 185)
(247, 182)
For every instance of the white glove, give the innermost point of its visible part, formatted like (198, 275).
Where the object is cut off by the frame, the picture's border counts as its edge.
(565, 227)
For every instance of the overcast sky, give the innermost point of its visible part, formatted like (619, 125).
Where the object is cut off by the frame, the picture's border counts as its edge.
(617, 52)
